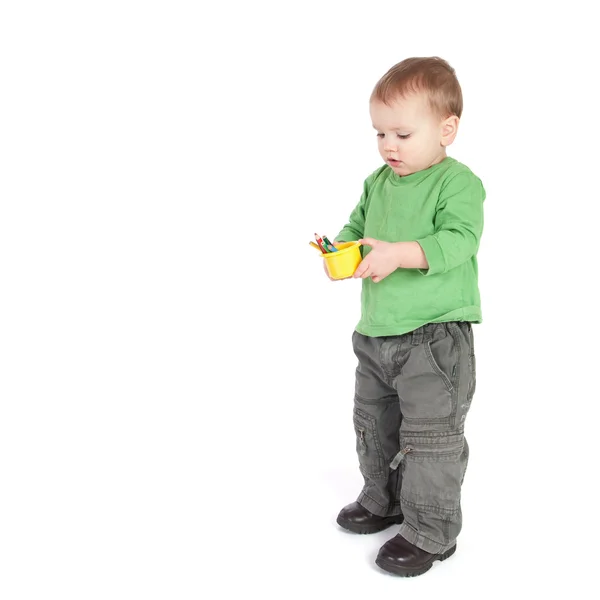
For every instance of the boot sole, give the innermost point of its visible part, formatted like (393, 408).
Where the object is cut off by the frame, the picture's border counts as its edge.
(407, 572)
(354, 528)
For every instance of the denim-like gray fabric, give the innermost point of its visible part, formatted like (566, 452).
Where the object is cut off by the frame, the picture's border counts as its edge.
(413, 393)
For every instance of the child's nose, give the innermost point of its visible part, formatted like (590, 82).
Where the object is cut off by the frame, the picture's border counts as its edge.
(390, 145)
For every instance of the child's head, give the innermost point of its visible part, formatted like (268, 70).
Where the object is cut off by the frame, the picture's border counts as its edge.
(415, 108)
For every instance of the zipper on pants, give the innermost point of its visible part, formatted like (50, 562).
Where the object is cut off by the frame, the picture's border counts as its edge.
(361, 440)
(399, 458)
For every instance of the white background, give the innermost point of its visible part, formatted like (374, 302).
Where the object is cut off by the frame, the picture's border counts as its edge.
(176, 370)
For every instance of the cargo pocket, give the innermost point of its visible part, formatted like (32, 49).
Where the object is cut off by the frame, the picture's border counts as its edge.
(368, 446)
(431, 484)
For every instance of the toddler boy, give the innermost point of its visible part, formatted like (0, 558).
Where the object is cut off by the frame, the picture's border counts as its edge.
(420, 219)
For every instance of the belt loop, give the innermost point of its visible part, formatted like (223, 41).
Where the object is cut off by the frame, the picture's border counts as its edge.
(417, 337)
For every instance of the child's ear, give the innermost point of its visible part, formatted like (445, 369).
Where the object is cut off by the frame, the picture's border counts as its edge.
(449, 130)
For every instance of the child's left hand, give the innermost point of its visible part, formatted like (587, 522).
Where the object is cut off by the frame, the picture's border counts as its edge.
(380, 262)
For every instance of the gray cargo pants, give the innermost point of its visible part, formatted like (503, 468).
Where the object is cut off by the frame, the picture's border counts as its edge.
(413, 393)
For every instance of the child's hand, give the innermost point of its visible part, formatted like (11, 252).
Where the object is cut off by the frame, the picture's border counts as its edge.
(380, 262)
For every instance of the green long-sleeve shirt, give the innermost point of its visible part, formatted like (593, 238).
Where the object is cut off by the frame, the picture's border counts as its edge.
(441, 208)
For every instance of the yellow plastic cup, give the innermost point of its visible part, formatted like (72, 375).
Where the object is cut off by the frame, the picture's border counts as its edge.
(343, 263)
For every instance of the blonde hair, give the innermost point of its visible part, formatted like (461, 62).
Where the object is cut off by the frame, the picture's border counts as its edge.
(432, 75)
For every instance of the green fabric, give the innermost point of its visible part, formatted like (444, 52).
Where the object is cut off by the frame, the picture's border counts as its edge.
(442, 209)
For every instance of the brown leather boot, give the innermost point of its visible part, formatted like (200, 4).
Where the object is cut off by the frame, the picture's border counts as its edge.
(358, 519)
(402, 558)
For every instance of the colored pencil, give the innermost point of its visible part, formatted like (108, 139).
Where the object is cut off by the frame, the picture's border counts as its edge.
(331, 246)
(320, 242)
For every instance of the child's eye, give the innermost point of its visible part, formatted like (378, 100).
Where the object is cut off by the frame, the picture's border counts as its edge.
(381, 135)
(404, 137)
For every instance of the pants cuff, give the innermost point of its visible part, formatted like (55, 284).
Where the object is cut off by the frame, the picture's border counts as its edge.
(417, 539)
(376, 508)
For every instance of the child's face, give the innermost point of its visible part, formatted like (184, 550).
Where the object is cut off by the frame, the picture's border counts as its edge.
(410, 137)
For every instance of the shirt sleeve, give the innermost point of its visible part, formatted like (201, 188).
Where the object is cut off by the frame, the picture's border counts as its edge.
(458, 225)
(355, 228)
